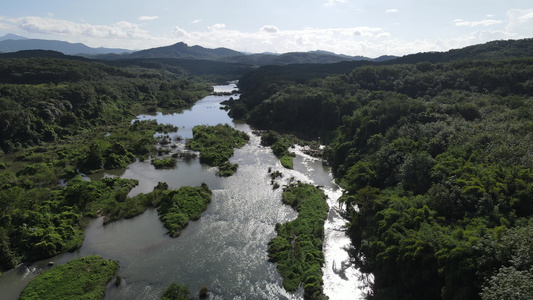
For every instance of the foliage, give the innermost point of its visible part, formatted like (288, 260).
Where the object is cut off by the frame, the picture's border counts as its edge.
(64, 116)
(82, 278)
(435, 161)
(209, 70)
(164, 163)
(49, 99)
(216, 144)
(176, 291)
(280, 145)
(297, 249)
(286, 161)
(509, 283)
(203, 292)
(177, 208)
(227, 169)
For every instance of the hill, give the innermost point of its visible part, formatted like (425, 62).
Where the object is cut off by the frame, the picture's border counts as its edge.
(213, 71)
(13, 43)
(182, 50)
(433, 151)
(303, 73)
(11, 36)
(312, 57)
(40, 53)
(492, 50)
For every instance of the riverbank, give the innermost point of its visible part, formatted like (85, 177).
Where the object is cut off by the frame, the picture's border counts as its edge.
(226, 249)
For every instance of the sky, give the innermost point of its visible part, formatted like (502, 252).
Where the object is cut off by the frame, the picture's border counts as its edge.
(368, 28)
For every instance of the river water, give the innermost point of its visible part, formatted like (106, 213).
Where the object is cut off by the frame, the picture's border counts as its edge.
(226, 249)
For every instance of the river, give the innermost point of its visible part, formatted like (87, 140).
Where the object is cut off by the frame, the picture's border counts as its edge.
(226, 249)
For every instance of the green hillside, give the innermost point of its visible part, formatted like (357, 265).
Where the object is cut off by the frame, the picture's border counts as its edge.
(435, 160)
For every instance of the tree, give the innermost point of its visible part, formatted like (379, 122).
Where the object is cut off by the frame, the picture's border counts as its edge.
(176, 291)
(509, 283)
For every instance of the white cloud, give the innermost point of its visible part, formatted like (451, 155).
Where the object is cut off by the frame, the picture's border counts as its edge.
(148, 18)
(362, 40)
(196, 21)
(178, 32)
(367, 31)
(392, 11)
(270, 29)
(51, 26)
(459, 22)
(520, 21)
(332, 2)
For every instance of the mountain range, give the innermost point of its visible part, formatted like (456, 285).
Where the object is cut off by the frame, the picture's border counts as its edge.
(492, 50)
(13, 43)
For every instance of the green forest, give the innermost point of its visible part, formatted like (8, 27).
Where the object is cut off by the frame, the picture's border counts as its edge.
(435, 160)
(433, 152)
(62, 116)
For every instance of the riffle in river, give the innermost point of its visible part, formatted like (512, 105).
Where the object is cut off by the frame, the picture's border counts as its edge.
(226, 249)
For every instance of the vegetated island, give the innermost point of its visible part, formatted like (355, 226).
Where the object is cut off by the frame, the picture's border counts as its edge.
(81, 278)
(280, 145)
(216, 144)
(177, 207)
(297, 249)
(176, 291)
(60, 117)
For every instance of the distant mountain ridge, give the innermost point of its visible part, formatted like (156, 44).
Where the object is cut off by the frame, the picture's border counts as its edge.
(490, 50)
(182, 50)
(13, 43)
(11, 36)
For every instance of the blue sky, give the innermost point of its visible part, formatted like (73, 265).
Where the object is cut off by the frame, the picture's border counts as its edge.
(363, 27)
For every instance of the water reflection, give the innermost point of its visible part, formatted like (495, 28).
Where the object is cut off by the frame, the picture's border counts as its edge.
(226, 250)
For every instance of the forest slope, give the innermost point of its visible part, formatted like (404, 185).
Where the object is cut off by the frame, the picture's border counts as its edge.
(436, 162)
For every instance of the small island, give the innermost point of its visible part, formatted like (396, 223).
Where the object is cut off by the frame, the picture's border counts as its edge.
(216, 144)
(297, 249)
(82, 278)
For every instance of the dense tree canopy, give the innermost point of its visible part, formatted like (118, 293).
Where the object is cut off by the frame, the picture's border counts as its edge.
(61, 117)
(46, 99)
(436, 162)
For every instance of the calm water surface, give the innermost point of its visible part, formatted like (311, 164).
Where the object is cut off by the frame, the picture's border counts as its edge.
(226, 249)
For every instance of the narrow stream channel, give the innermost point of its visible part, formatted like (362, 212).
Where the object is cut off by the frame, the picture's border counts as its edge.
(226, 249)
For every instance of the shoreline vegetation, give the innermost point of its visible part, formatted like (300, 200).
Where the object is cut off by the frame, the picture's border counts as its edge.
(216, 144)
(281, 143)
(81, 278)
(61, 118)
(177, 207)
(435, 160)
(297, 248)
(434, 156)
